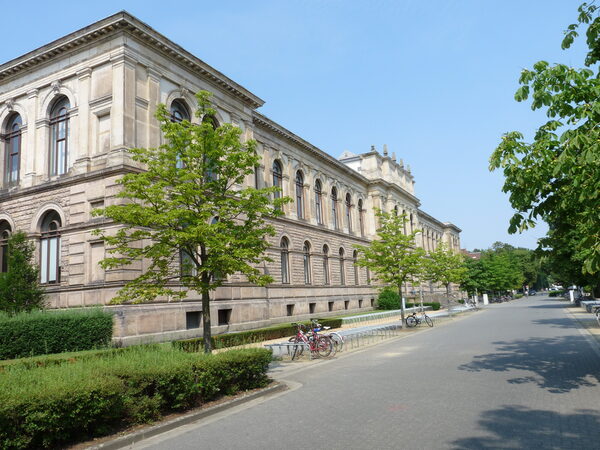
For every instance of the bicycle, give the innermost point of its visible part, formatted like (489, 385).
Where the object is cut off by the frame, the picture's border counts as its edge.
(336, 338)
(321, 346)
(413, 320)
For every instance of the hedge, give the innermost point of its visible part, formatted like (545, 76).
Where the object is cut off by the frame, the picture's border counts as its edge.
(556, 293)
(59, 404)
(250, 336)
(43, 332)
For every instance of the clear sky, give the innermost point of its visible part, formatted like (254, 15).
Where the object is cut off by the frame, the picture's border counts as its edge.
(434, 80)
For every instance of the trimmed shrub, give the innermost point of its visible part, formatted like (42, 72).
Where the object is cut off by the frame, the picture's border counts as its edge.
(250, 336)
(556, 293)
(43, 332)
(58, 404)
(388, 299)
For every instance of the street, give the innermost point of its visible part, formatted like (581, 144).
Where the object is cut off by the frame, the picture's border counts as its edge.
(515, 375)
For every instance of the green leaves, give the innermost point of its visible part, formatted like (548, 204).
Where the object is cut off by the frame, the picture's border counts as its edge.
(555, 176)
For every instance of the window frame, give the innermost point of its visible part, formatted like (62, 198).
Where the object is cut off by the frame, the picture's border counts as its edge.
(306, 263)
(300, 194)
(284, 246)
(50, 234)
(319, 202)
(59, 116)
(10, 137)
(334, 200)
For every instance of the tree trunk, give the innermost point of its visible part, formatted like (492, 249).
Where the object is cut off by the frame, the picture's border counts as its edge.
(206, 331)
(448, 298)
(402, 312)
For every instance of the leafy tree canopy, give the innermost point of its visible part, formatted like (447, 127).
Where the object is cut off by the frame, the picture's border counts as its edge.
(19, 286)
(556, 177)
(392, 256)
(189, 215)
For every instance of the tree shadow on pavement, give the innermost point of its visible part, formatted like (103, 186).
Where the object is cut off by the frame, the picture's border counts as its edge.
(558, 323)
(519, 427)
(557, 364)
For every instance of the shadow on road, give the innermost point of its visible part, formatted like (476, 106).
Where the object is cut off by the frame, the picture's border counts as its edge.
(557, 323)
(558, 364)
(520, 427)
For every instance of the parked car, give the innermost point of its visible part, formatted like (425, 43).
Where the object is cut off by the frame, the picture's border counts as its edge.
(532, 292)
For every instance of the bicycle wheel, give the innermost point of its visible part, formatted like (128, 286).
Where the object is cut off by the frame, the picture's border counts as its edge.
(428, 320)
(338, 341)
(324, 346)
(411, 321)
(298, 349)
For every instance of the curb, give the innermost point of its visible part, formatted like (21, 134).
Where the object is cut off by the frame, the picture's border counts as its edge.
(136, 436)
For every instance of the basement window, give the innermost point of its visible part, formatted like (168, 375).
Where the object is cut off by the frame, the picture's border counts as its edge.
(224, 316)
(192, 319)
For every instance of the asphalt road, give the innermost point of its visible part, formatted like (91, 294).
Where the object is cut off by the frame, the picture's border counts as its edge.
(516, 375)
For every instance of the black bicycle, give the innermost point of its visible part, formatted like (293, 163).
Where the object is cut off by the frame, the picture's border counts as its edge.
(413, 320)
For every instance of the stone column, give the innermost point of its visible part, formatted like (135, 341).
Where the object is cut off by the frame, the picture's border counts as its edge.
(31, 149)
(81, 154)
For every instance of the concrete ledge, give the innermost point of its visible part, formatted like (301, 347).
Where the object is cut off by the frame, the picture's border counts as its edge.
(193, 416)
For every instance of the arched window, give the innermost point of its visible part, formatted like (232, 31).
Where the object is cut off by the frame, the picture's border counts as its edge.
(349, 212)
(361, 217)
(355, 266)
(334, 200)
(12, 159)
(319, 202)
(179, 111)
(4, 235)
(50, 248)
(342, 268)
(285, 260)
(325, 264)
(306, 258)
(412, 224)
(59, 137)
(395, 210)
(277, 178)
(300, 194)
(404, 220)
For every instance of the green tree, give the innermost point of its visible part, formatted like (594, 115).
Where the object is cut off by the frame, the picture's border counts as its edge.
(475, 280)
(189, 214)
(446, 267)
(556, 177)
(393, 256)
(19, 286)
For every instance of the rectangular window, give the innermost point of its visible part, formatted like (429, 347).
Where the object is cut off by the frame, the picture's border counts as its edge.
(49, 270)
(312, 308)
(360, 303)
(192, 319)
(290, 310)
(346, 304)
(330, 306)
(224, 316)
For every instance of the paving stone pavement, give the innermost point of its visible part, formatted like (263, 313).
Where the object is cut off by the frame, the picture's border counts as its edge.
(518, 375)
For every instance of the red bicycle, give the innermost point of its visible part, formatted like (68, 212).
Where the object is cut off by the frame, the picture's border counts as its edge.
(320, 346)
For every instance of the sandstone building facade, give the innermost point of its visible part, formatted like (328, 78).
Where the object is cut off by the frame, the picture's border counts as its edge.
(69, 112)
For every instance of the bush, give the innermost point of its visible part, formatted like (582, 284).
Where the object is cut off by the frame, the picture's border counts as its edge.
(43, 332)
(250, 336)
(388, 299)
(57, 404)
(556, 293)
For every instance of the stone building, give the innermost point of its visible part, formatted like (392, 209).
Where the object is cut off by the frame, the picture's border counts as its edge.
(69, 112)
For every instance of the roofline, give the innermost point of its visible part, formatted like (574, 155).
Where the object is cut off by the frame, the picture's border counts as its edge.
(123, 21)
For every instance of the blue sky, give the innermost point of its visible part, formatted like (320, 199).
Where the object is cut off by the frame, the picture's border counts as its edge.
(433, 80)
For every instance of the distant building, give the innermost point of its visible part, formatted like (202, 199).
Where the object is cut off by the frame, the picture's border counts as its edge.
(69, 112)
(471, 255)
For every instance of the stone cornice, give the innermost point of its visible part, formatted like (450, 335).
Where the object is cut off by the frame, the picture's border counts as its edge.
(125, 22)
(266, 123)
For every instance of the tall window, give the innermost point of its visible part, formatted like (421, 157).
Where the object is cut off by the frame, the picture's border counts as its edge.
(186, 264)
(50, 248)
(285, 260)
(355, 264)
(361, 217)
(4, 235)
(325, 264)
(412, 224)
(342, 271)
(319, 202)
(179, 113)
(306, 258)
(348, 212)
(395, 210)
(334, 200)
(59, 137)
(404, 220)
(277, 178)
(12, 159)
(300, 195)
